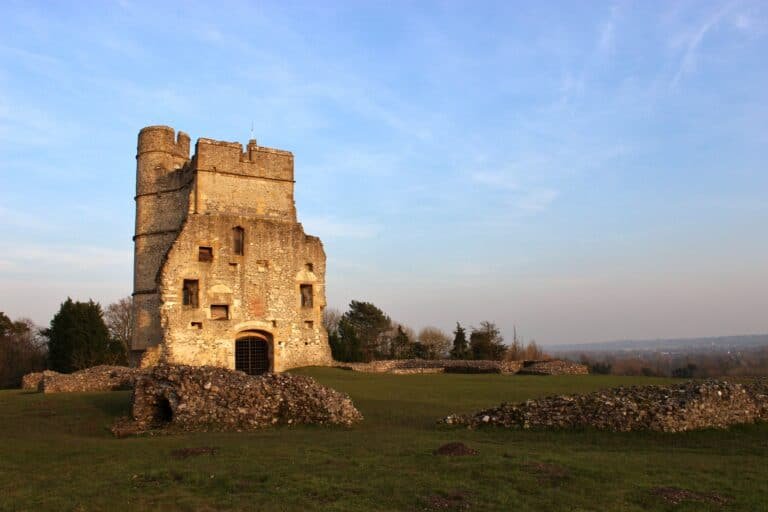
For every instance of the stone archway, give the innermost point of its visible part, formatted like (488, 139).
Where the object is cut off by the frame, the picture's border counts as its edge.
(253, 352)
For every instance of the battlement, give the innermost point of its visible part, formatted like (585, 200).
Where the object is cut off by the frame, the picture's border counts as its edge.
(256, 161)
(163, 139)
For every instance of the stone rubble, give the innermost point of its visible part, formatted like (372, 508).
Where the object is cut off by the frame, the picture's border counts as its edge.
(410, 366)
(553, 367)
(205, 398)
(97, 378)
(677, 408)
(33, 381)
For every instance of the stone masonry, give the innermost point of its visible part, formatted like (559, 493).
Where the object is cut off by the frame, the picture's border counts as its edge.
(224, 274)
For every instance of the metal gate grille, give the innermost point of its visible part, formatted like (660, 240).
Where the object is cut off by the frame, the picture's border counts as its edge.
(252, 355)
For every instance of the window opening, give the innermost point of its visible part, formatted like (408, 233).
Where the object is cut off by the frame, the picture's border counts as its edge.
(238, 241)
(190, 293)
(309, 324)
(306, 295)
(205, 254)
(219, 312)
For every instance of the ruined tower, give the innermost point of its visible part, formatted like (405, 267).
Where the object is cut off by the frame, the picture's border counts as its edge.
(224, 274)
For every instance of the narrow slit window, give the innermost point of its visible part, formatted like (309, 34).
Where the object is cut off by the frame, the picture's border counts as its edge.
(306, 295)
(190, 293)
(205, 254)
(238, 241)
(219, 312)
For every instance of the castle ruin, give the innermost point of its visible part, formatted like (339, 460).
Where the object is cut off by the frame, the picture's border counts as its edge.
(224, 274)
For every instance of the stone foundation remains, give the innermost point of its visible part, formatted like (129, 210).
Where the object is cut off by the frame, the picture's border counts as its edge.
(553, 367)
(206, 398)
(676, 408)
(410, 366)
(97, 378)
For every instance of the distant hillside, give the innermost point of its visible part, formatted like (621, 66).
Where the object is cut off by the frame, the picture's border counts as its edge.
(714, 344)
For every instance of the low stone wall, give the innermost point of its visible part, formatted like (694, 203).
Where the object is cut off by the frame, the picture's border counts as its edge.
(553, 367)
(191, 398)
(409, 366)
(97, 378)
(33, 381)
(676, 408)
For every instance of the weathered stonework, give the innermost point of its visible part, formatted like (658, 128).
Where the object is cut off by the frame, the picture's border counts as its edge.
(182, 397)
(96, 378)
(409, 366)
(220, 259)
(677, 408)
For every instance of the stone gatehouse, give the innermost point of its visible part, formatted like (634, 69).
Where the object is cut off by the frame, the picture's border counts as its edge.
(224, 274)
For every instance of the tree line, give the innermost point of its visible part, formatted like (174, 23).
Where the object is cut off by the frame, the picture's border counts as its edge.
(83, 334)
(365, 333)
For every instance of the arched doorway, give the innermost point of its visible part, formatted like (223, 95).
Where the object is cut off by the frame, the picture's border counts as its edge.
(253, 353)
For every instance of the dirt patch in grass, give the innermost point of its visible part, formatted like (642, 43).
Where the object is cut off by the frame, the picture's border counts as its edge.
(547, 473)
(184, 453)
(455, 449)
(155, 479)
(676, 495)
(453, 500)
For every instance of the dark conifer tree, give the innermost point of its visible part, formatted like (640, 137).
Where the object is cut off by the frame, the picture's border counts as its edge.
(460, 348)
(78, 338)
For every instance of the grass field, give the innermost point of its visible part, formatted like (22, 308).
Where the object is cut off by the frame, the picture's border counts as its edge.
(57, 454)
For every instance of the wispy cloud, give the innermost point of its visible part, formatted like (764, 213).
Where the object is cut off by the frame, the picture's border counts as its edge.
(51, 258)
(607, 31)
(497, 180)
(328, 227)
(536, 200)
(691, 40)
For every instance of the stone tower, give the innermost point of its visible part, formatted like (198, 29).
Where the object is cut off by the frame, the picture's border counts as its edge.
(224, 274)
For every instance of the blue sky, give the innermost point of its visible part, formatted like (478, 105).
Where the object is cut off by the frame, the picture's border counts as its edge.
(584, 170)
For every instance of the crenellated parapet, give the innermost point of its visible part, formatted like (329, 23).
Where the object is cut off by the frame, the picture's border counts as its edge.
(255, 161)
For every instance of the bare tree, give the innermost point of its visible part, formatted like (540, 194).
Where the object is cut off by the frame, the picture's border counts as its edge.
(22, 350)
(436, 342)
(331, 317)
(119, 320)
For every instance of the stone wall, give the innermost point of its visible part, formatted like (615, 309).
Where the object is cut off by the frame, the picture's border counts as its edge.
(407, 366)
(553, 367)
(676, 408)
(97, 378)
(182, 397)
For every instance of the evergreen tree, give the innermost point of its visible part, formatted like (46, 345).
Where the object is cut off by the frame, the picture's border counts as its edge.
(460, 348)
(362, 330)
(486, 342)
(400, 344)
(78, 338)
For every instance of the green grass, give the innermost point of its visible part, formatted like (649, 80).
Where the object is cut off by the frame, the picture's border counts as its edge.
(57, 454)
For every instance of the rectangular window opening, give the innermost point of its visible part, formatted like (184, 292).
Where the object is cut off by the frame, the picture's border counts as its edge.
(306, 295)
(219, 312)
(238, 241)
(309, 324)
(310, 267)
(196, 325)
(205, 254)
(190, 292)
